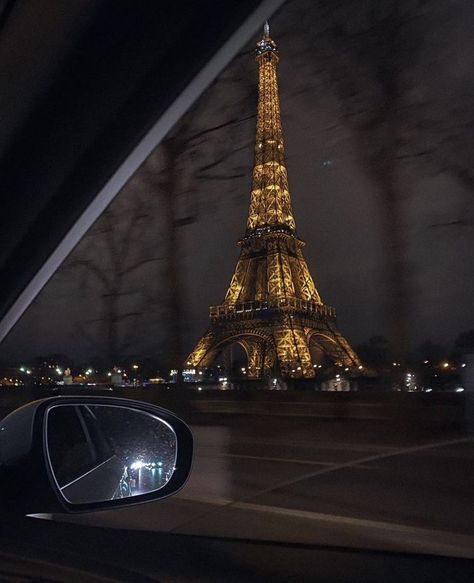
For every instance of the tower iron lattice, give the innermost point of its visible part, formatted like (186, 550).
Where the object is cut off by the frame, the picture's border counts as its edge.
(272, 307)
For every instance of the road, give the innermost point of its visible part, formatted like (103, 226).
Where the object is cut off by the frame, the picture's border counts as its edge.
(350, 483)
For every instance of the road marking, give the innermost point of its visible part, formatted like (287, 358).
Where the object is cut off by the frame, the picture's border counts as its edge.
(210, 499)
(276, 459)
(388, 535)
(288, 460)
(325, 445)
(363, 460)
(437, 541)
(327, 470)
(351, 521)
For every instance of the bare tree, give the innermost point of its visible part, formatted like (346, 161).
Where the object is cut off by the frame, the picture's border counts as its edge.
(440, 140)
(202, 148)
(364, 52)
(382, 59)
(111, 262)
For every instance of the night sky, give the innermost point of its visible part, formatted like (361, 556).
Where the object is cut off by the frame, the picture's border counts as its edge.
(335, 199)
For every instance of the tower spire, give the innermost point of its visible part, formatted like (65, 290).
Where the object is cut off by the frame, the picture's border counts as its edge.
(266, 30)
(270, 203)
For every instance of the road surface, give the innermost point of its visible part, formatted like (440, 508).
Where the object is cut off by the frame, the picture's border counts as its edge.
(351, 483)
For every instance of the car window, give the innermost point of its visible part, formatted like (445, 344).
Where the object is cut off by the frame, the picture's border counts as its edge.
(291, 272)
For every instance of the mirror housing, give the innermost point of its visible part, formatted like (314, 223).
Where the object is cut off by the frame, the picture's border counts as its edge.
(27, 481)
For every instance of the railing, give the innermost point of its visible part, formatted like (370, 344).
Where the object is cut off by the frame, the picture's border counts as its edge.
(257, 308)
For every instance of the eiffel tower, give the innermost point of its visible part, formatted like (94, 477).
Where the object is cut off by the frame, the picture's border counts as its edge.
(272, 308)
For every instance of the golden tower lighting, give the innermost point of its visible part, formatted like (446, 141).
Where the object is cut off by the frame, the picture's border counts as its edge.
(272, 307)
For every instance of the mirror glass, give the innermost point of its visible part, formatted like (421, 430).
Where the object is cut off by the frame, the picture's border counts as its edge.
(105, 452)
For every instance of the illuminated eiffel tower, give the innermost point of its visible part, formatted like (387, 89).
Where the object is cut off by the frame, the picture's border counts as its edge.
(272, 308)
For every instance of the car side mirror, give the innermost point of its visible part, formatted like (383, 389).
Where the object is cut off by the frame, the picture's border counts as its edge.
(79, 454)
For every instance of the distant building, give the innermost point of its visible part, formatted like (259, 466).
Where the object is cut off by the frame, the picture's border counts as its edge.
(338, 383)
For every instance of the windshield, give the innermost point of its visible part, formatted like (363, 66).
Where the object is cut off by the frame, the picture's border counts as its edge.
(291, 272)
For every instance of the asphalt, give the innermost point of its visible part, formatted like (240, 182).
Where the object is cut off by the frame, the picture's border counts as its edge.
(358, 484)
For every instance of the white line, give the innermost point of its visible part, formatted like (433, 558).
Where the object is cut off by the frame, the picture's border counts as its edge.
(84, 475)
(327, 470)
(373, 534)
(323, 445)
(431, 540)
(203, 499)
(363, 460)
(278, 459)
(308, 514)
(290, 460)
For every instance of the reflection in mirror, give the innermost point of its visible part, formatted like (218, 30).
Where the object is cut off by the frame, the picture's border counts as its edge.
(106, 452)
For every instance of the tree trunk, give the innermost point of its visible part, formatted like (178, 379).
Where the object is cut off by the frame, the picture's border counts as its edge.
(170, 186)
